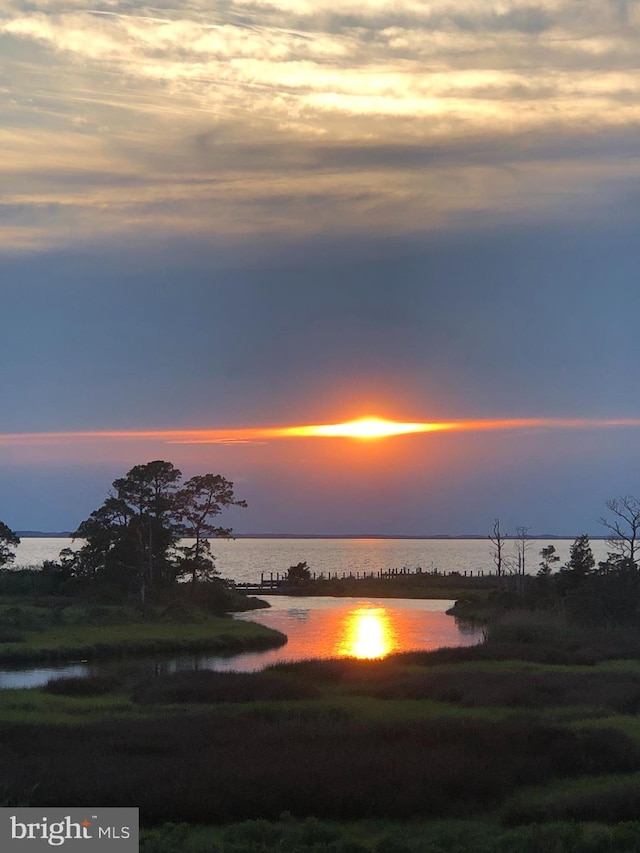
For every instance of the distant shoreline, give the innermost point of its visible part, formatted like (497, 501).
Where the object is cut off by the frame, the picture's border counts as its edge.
(37, 534)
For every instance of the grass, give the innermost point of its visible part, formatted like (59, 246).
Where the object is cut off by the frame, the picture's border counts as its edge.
(288, 835)
(38, 707)
(228, 767)
(214, 687)
(607, 799)
(338, 752)
(496, 748)
(93, 642)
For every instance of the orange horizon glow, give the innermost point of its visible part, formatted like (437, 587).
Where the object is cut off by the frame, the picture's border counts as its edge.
(369, 428)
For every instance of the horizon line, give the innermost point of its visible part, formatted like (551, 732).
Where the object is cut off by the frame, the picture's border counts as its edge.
(29, 533)
(369, 428)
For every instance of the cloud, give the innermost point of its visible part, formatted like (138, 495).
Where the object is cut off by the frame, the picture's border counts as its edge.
(186, 119)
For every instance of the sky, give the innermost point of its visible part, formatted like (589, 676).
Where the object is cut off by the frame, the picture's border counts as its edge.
(245, 215)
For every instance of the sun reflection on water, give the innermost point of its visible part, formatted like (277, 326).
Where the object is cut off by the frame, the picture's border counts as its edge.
(367, 634)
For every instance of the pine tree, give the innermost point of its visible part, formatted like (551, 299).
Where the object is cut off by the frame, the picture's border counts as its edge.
(581, 564)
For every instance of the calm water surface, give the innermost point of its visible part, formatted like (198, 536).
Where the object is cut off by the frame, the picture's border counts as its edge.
(246, 559)
(356, 627)
(316, 627)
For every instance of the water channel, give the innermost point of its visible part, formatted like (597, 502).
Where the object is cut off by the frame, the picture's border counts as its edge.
(316, 627)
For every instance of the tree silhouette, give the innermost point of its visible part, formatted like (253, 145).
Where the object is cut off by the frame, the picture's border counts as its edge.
(133, 540)
(8, 540)
(299, 574)
(624, 526)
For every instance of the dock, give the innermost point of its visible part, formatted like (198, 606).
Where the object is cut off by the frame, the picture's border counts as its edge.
(276, 583)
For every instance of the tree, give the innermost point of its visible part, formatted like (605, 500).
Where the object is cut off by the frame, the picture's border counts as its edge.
(146, 496)
(132, 540)
(130, 537)
(498, 539)
(549, 557)
(8, 540)
(299, 574)
(609, 595)
(580, 565)
(624, 527)
(523, 543)
(581, 561)
(197, 504)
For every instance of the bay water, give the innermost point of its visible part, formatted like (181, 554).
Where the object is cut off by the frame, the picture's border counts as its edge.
(245, 560)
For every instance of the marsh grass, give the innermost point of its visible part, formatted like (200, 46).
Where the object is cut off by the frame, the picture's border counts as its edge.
(619, 692)
(223, 768)
(605, 799)
(471, 684)
(94, 642)
(35, 707)
(209, 686)
(464, 836)
(343, 671)
(554, 638)
(432, 734)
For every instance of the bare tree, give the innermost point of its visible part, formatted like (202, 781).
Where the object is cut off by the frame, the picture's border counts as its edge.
(498, 539)
(523, 543)
(624, 527)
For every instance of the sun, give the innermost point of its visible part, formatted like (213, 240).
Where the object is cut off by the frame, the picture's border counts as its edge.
(365, 428)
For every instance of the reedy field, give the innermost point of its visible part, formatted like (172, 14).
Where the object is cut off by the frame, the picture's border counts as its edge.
(528, 742)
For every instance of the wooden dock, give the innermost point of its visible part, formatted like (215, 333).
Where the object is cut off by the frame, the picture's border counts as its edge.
(276, 583)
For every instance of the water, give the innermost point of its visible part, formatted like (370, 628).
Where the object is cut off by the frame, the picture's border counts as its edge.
(245, 559)
(354, 627)
(316, 627)
(319, 626)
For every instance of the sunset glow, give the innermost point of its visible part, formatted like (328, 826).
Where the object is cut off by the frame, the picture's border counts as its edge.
(364, 428)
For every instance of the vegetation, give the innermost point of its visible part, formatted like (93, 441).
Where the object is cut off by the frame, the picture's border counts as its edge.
(527, 742)
(299, 575)
(288, 835)
(32, 632)
(469, 749)
(322, 760)
(39, 623)
(213, 687)
(121, 592)
(606, 595)
(434, 585)
(149, 534)
(8, 541)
